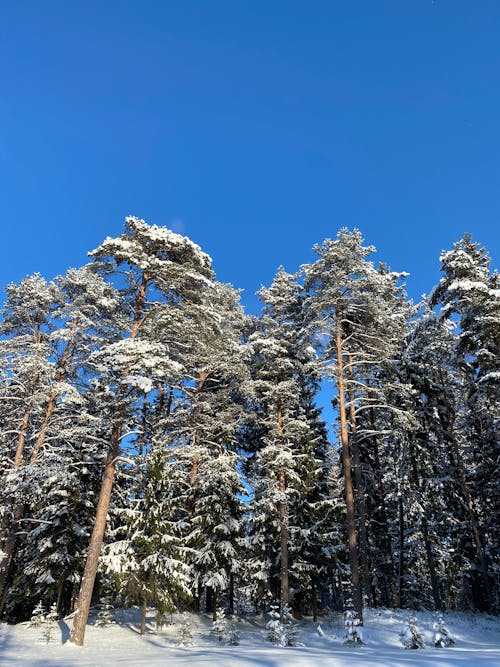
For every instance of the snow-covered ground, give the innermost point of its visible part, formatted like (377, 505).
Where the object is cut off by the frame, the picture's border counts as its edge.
(477, 643)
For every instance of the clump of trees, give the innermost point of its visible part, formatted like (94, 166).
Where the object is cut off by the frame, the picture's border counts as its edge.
(160, 447)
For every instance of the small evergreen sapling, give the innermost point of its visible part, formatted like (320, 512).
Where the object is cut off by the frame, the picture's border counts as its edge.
(280, 628)
(48, 624)
(353, 634)
(233, 635)
(185, 632)
(411, 637)
(37, 616)
(442, 637)
(219, 625)
(105, 616)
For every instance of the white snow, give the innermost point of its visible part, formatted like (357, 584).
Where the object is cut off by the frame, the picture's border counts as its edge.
(477, 644)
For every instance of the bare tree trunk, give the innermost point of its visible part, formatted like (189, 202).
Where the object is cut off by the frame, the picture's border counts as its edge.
(91, 563)
(314, 603)
(89, 574)
(215, 602)
(144, 609)
(352, 536)
(360, 498)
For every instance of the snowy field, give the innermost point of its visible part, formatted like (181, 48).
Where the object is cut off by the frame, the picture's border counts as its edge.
(477, 643)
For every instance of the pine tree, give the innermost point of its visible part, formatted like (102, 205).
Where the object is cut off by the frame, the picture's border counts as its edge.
(360, 317)
(219, 625)
(353, 633)
(411, 637)
(442, 637)
(163, 270)
(289, 467)
(469, 292)
(37, 615)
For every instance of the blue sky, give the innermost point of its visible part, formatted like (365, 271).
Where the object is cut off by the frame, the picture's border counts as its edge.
(257, 128)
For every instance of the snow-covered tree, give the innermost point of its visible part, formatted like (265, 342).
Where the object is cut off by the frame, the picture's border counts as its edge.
(469, 292)
(411, 637)
(162, 271)
(289, 467)
(281, 628)
(441, 637)
(219, 625)
(360, 317)
(37, 615)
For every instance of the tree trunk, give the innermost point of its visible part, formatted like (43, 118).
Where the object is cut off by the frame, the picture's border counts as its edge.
(314, 603)
(390, 588)
(144, 609)
(283, 517)
(352, 537)
(231, 593)
(401, 551)
(215, 602)
(360, 497)
(90, 571)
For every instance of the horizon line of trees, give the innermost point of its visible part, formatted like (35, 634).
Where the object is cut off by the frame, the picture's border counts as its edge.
(160, 447)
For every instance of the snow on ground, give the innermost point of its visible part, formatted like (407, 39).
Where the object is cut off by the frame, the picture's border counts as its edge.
(477, 644)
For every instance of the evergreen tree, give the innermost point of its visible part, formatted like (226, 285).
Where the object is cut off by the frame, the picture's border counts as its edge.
(360, 318)
(163, 270)
(288, 517)
(469, 292)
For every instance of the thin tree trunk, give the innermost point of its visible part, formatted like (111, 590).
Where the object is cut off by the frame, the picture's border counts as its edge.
(89, 574)
(231, 593)
(314, 603)
(401, 551)
(215, 602)
(283, 518)
(352, 536)
(391, 588)
(360, 499)
(144, 609)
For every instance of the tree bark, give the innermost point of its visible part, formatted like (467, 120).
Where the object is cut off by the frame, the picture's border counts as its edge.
(352, 536)
(144, 609)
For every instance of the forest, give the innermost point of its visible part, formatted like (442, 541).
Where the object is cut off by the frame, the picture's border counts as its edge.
(161, 448)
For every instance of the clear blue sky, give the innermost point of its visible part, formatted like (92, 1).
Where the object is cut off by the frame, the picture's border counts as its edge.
(258, 128)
